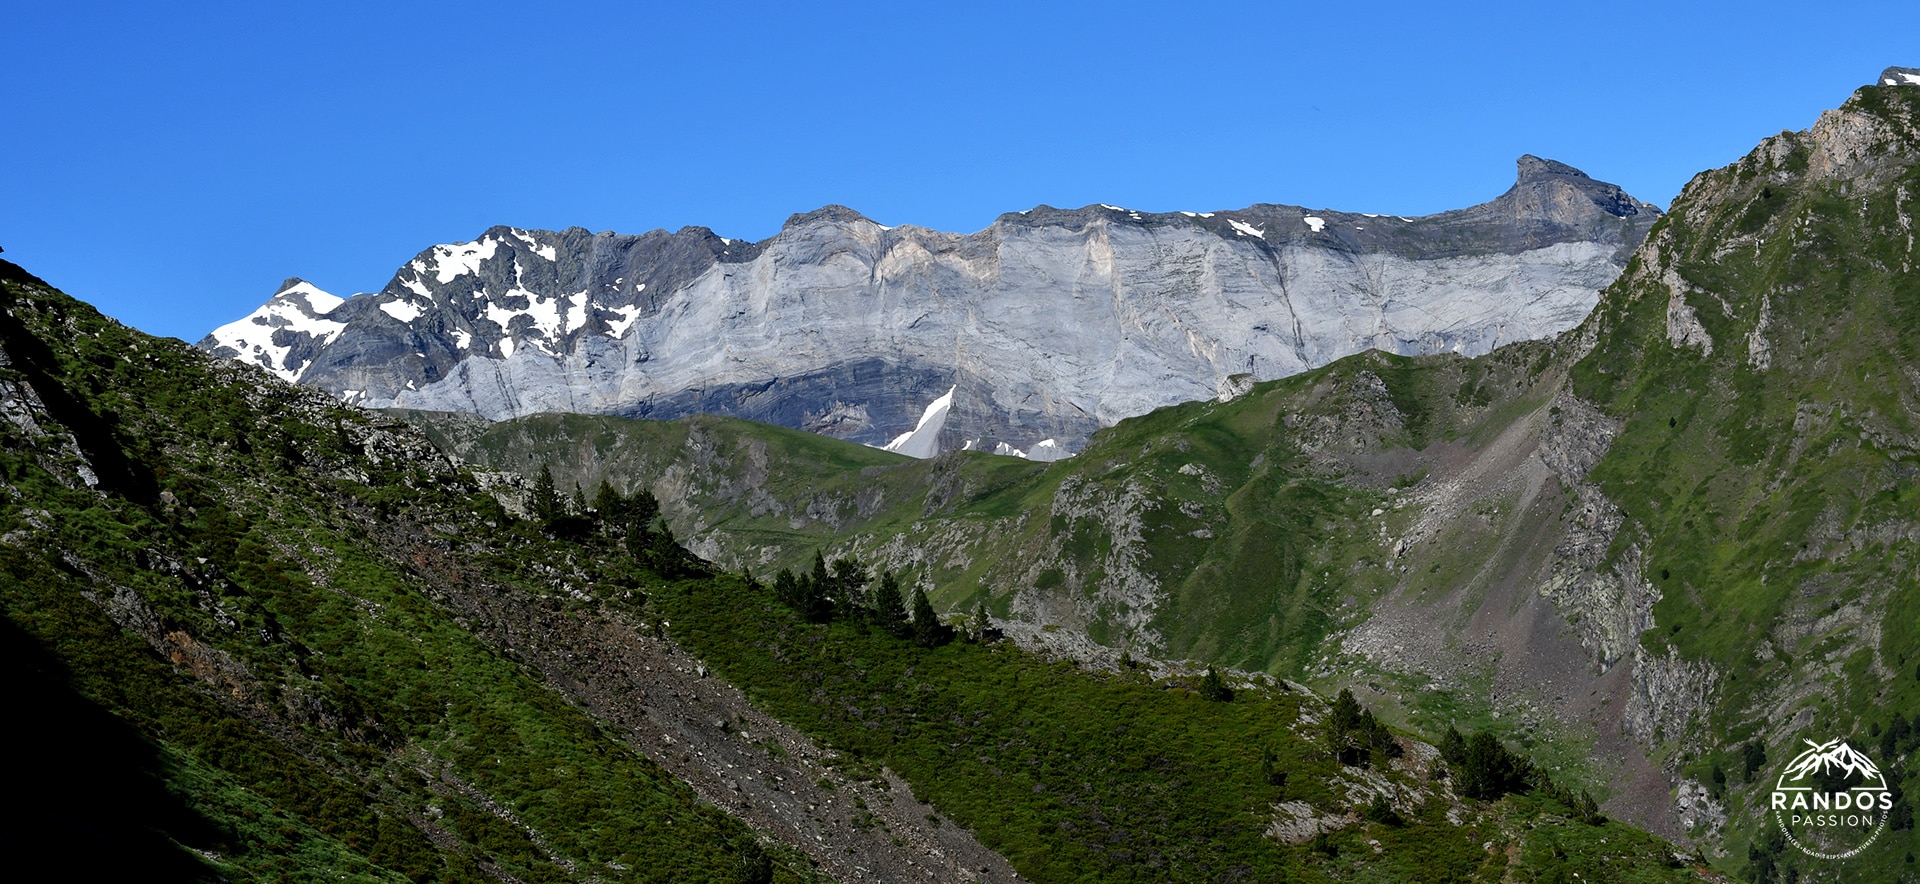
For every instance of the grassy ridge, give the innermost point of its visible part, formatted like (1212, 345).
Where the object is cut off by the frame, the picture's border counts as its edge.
(225, 595)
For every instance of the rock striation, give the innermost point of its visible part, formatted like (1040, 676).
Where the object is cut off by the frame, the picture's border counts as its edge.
(1047, 325)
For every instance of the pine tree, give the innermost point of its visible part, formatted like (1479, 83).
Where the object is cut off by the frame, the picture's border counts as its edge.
(1342, 722)
(1214, 688)
(980, 623)
(1489, 770)
(752, 865)
(816, 586)
(1453, 747)
(1753, 756)
(641, 509)
(609, 504)
(544, 501)
(928, 631)
(786, 588)
(890, 608)
(850, 579)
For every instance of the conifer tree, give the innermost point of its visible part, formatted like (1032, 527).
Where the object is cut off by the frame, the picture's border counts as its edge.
(890, 608)
(849, 583)
(544, 502)
(609, 504)
(786, 588)
(980, 624)
(1453, 747)
(816, 604)
(928, 631)
(1342, 722)
(1214, 688)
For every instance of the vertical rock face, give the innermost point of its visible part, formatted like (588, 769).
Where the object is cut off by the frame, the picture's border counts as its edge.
(1049, 324)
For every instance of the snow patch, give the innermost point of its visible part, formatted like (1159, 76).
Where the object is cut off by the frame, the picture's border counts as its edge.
(1905, 79)
(404, 311)
(548, 252)
(617, 328)
(552, 317)
(1043, 451)
(462, 338)
(318, 302)
(1047, 451)
(923, 441)
(1250, 230)
(460, 259)
(1317, 224)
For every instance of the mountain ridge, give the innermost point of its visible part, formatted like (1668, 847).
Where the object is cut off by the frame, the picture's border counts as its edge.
(1051, 323)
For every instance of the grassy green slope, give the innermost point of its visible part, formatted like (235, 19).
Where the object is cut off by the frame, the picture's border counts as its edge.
(220, 601)
(1188, 532)
(1774, 483)
(1090, 775)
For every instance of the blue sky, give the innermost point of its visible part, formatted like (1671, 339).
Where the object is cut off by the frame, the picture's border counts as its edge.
(173, 163)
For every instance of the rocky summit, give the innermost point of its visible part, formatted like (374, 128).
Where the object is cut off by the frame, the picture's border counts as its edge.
(1044, 327)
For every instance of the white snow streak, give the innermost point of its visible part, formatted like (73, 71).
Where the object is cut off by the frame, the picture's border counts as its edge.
(547, 252)
(923, 441)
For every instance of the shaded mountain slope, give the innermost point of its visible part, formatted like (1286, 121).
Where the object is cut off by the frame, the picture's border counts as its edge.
(330, 646)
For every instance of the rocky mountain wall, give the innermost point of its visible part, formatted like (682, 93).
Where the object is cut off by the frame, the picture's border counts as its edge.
(1050, 323)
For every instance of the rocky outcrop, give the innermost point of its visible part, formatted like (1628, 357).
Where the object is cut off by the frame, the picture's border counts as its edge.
(1048, 324)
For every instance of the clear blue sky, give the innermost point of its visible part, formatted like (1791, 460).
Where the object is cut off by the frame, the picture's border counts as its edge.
(173, 162)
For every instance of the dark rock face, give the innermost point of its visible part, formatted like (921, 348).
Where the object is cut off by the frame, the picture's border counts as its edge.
(1051, 323)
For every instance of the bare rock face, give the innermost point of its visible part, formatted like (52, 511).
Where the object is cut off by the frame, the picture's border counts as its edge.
(1049, 324)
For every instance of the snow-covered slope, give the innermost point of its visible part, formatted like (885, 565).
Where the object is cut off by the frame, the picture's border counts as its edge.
(285, 332)
(924, 439)
(1045, 326)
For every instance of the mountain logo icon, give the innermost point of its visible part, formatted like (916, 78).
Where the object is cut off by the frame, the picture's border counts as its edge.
(1831, 801)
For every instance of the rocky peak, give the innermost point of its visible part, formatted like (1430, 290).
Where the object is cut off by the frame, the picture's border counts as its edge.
(828, 214)
(1898, 76)
(1554, 191)
(1533, 168)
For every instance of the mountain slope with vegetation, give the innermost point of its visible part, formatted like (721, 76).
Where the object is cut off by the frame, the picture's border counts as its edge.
(284, 639)
(1658, 550)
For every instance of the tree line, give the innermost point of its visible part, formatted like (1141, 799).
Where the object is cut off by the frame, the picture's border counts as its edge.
(632, 519)
(845, 590)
